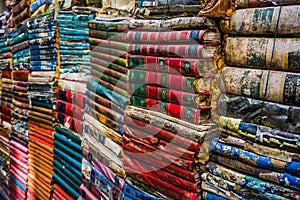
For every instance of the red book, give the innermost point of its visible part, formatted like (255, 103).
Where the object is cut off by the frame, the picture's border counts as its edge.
(181, 51)
(159, 144)
(192, 115)
(171, 96)
(172, 81)
(166, 188)
(158, 154)
(71, 97)
(70, 109)
(131, 163)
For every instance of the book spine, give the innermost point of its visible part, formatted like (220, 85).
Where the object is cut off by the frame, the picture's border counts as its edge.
(103, 101)
(263, 21)
(192, 115)
(108, 44)
(109, 58)
(171, 81)
(163, 175)
(267, 85)
(110, 51)
(169, 148)
(163, 134)
(258, 53)
(164, 187)
(109, 65)
(171, 96)
(160, 155)
(193, 51)
(108, 35)
(171, 36)
(274, 115)
(184, 66)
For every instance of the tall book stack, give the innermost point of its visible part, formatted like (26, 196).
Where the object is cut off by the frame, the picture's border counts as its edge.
(42, 86)
(5, 108)
(19, 135)
(258, 155)
(71, 102)
(107, 97)
(169, 117)
(5, 120)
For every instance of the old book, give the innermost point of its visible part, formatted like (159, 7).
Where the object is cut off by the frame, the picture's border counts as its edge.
(164, 187)
(158, 12)
(171, 50)
(146, 3)
(119, 36)
(255, 159)
(172, 81)
(203, 36)
(110, 51)
(263, 21)
(265, 53)
(141, 166)
(261, 173)
(192, 115)
(171, 96)
(108, 44)
(273, 115)
(271, 137)
(184, 66)
(160, 133)
(258, 3)
(269, 85)
(118, 26)
(173, 23)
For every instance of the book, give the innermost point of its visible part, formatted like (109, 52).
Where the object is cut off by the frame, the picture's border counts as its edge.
(119, 26)
(185, 66)
(250, 4)
(173, 23)
(181, 51)
(186, 36)
(266, 113)
(269, 85)
(265, 53)
(192, 115)
(171, 96)
(263, 21)
(171, 81)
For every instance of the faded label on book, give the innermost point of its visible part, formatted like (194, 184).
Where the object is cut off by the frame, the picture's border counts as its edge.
(294, 60)
(291, 93)
(257, 51)
(262, 19)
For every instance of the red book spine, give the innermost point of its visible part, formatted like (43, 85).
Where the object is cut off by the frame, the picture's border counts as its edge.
(70, 109)
(142, 167)
(194, 51)
(159, 154)
(158, 144)
(171, 81)
(164, 187)
(186, 174)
